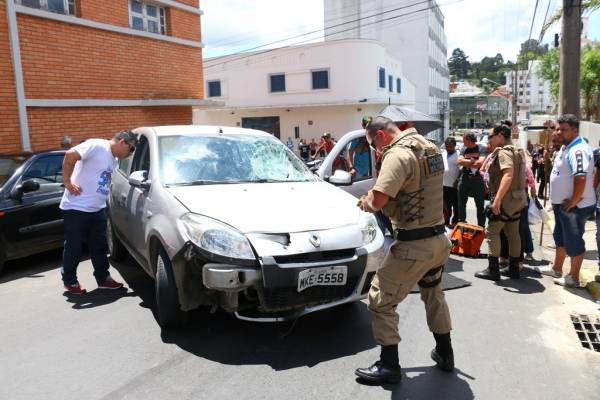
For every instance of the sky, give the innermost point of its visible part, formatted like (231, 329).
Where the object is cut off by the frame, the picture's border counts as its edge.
(479, 27)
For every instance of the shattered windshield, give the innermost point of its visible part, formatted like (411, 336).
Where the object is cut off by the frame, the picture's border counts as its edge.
(218, 159)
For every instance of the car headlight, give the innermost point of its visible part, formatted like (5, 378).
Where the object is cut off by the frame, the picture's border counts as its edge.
(216, 237)
(368, 227)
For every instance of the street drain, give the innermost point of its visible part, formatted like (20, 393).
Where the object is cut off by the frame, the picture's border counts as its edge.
(588, 330)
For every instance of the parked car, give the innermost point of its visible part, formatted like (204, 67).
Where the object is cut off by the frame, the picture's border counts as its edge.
(30, 193)
(231, 218)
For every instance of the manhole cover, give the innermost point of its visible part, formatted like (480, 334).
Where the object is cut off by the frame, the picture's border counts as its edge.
(588, 330)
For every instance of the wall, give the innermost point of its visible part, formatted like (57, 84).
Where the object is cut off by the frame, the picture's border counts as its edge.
(337, 120)
(10, 140)
(245, 82)
(48, 125)
(62, 60)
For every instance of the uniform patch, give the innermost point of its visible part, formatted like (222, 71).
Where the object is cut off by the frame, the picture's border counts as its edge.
(434, 164)
(579, 161)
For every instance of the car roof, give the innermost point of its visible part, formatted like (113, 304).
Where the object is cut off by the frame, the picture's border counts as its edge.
(200, 130)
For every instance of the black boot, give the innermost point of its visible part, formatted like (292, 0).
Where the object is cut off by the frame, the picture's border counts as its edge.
(443, 355)
(492, 272)
(513, 268)
(386, 370)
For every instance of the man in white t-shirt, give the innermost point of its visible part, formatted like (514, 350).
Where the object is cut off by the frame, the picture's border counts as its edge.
(451, 173)
(573, 199)
(87, 170)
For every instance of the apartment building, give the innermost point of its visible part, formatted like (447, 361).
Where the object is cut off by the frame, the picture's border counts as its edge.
(412, 32)
(534, 94)
(89, 68)
(303, 91)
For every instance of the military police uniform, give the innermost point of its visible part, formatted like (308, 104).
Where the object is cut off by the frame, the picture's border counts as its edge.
(411, 176)
(506, 157)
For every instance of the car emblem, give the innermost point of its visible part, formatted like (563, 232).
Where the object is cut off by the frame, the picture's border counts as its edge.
(315, 240)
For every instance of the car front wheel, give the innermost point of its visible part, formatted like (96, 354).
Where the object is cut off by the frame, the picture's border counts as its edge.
(167, 298)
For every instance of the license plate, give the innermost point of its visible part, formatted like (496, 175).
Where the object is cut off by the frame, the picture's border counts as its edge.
(326, 276)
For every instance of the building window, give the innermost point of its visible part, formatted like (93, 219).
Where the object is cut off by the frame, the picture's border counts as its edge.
(390, 83)
(147, 17)
(320, 79)
(277, 83)
(214, 88)
(57, 6)
(398, 85)
(382, 78)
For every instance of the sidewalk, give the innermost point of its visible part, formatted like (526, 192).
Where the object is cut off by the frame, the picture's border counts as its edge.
(546, 250)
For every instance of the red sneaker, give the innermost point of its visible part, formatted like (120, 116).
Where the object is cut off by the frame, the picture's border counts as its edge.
(75, 288)
(110, 283)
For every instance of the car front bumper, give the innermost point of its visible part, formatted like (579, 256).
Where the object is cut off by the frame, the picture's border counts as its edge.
(276, 282)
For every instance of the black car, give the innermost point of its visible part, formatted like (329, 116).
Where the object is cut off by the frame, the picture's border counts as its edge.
(31, 187)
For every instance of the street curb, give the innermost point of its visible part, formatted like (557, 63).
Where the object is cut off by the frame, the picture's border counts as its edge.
(592, 286)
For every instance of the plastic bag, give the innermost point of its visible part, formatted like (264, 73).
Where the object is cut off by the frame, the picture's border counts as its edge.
(534, 214)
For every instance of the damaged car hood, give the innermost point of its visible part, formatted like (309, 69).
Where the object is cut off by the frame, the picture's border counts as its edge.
(272, 207)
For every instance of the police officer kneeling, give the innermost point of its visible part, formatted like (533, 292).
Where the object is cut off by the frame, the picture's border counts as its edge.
(507, 183)
(409, 191)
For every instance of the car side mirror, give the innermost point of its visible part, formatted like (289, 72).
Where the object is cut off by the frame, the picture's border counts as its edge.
(341, 178)
(30, 185)
(140, 180)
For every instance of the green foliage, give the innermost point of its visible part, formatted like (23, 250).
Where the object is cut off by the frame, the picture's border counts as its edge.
(549, 69)
(458, 64)
(531, 50)
(590, 81)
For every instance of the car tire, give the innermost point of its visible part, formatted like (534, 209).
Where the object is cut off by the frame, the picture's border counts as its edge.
(167, 297)
(116, 249)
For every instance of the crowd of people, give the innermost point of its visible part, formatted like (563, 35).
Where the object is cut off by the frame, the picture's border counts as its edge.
(567, 166)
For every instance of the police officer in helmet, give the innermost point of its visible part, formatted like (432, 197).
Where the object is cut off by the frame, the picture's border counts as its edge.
(409, 191)
(508, 186)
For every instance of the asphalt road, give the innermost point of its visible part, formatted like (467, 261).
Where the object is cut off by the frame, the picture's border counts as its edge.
(512, 340)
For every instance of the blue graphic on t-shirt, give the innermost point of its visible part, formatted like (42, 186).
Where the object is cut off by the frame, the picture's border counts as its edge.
(104, 181)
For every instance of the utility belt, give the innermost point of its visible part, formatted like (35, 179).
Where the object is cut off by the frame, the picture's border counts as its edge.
(419, 233)
(503, 216)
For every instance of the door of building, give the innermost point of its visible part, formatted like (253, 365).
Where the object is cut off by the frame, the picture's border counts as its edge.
(267, 124)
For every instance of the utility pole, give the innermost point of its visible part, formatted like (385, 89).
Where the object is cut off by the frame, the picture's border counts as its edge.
(570, 58)
(515, 96)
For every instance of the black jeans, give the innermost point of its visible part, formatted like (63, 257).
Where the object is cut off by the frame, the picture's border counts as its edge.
(80, 227)
(451, 204)
(471, 186)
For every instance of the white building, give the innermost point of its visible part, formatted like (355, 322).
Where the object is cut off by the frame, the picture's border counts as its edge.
(303, 91)
(411, 31)
(533, 93)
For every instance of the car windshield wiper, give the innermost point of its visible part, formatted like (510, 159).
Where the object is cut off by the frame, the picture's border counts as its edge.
(200, 182)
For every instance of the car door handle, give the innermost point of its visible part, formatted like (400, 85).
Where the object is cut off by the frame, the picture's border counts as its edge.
(149, 214)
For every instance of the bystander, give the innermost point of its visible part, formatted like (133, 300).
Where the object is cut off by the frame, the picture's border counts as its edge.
(573, 199)
(87, 170)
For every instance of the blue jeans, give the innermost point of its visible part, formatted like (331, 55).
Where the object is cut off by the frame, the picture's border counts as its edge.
(598, 231)
(569, 228)
(80, 227)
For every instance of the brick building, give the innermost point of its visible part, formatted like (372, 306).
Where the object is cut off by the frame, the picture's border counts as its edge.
(89, 68)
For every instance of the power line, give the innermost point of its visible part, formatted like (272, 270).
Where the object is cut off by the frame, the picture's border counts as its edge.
(223, 42)
(243, 56)
(328, 28)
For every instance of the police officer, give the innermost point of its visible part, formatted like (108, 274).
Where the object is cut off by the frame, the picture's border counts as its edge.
(507, 183)
(409, 191)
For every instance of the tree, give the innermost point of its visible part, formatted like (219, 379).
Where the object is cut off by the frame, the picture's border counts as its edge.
(587, 6)
(590, 81)
(531, 49)
(458, 64)
(549, 70)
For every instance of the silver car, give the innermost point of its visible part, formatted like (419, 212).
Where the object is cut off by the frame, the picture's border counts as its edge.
(231, 218)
